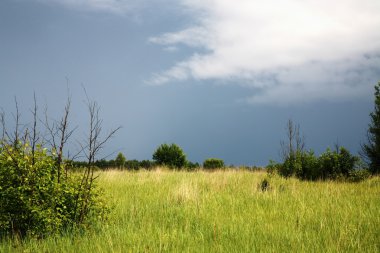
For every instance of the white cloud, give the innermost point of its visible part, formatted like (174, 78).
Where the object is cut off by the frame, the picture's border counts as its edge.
(290, 50)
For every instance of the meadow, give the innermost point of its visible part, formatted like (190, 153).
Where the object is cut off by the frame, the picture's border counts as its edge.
(224, 211)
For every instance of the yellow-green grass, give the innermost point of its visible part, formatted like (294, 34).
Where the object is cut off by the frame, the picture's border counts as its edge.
(225, 211)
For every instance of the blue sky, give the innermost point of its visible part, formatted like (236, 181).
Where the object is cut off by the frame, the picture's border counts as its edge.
(220, 78)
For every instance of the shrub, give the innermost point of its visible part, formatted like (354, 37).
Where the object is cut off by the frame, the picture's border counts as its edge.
(213, 163)
(358, 175)
(170, 155)
(191, 165)
(132, 165)
(264, 185)
(289, 167)
(273, 167)
(33, 202)
(146, 164)
(309, 167)
(333, 164)
(306, 166)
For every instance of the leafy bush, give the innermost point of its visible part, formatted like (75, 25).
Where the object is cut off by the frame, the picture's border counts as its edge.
(290, 166)
(358, 175)
(146, 164)
(309, 166)
(170, 155)
(333, 164)
(33, 201)
(273, 167)
(191, 165)
(306, 166)
(132, 165)
(213, 163)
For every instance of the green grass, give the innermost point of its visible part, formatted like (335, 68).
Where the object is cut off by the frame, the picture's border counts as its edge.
(225, 211)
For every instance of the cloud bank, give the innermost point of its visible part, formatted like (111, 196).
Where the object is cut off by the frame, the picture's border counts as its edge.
(286, 50)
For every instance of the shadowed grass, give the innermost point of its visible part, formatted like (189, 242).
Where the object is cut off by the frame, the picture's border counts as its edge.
(225, 211)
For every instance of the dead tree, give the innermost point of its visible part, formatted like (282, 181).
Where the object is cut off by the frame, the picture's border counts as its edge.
(17, 125)
(93, 145)
(295, 141)
(59, 134)
(35, 135)
(2, 120)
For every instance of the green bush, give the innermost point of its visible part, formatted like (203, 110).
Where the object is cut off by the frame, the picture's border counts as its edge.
(309, 166)
(334, 165)
(273, 167)
(33, 201)
(170, 155)
(132, 165)
(146, 164)
(306, 166)
(213, 163)
(290, 166)
(358, 175)
(191, 165)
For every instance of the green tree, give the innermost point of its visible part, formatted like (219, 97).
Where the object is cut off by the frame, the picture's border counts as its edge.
(213, 163)
(120, 160)
(170, 155)
(371, 150)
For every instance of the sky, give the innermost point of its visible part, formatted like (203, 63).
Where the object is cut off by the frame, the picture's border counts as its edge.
(219, 78)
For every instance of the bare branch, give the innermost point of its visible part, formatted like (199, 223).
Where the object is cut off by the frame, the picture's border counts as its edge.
(17, 122)
(3, 127)
(295, 141)
(34, 138)
(62, 129)
(52, 130)
(92, 146)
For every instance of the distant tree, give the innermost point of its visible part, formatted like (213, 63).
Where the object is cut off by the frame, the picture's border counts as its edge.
(292, 150)
(120, 160)
(132, 164)
(192, 166)
(371, 150)
(295, 141)
(102, 164)
(170, 155)
(213, 163)
(146, 164)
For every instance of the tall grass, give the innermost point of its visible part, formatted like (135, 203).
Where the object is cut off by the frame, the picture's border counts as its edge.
(225, 211)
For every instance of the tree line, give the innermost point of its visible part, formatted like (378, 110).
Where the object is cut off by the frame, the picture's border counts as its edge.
(297, 161)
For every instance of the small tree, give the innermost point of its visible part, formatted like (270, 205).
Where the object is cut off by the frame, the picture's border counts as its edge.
(292, 150)
(120, 160)
(36, 197)
(213, 163)
(371, 150)
(170, 155)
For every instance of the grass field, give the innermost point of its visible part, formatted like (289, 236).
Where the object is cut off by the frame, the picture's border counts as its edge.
(225, 211)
